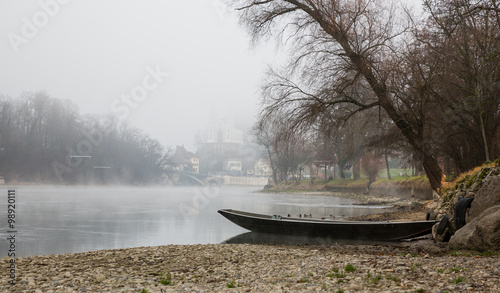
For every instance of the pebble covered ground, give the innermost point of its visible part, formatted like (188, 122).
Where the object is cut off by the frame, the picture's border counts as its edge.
(405, 267)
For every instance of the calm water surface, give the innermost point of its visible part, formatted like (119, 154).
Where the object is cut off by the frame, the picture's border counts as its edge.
(54, 220)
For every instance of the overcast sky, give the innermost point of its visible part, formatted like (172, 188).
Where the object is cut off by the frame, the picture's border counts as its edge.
(179, 62)
(165, 66)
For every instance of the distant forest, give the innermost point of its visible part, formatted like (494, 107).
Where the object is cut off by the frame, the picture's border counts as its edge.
(47, 140)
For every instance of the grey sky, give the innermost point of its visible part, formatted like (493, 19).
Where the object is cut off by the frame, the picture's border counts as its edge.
(93, 52)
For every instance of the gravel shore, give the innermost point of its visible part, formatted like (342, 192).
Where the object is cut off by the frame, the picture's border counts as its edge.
(405, 267)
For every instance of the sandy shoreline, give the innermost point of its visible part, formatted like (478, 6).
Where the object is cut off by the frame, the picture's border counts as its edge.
(257, 268)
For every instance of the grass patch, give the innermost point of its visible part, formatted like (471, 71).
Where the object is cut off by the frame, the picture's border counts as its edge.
(458, 280)
(231, 284)
(393, 278)
(416, 182)
(356, 183)
(373, 279)
(335, 273)
(167, 280)
(395, 172)
(474, 253)
(457, 269)
(460, 253)
(350, 268)
(335, 182)
(405, 253)
(468, 177)
(414, 266)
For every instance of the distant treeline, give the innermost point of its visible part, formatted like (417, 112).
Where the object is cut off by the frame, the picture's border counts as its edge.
(47, 140)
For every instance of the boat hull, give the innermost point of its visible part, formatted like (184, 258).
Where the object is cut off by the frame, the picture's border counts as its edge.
(365, 230)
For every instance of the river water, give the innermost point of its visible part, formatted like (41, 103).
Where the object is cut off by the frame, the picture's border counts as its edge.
(55, 220)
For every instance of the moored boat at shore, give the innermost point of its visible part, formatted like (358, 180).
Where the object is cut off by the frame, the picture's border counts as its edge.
(277, 224)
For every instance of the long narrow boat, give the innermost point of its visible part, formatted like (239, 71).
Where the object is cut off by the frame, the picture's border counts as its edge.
(276, 224)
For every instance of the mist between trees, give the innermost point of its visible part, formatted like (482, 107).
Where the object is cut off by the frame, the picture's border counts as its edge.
(44, 140)
(368, 79)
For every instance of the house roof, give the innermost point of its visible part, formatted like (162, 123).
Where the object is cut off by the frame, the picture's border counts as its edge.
(181, 155)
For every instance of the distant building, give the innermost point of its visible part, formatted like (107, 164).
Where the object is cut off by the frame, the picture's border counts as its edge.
(262, 168)
(195, 163)
(222, 133)
(233, 166)
(221, 137)
(185, 161)
(220, 149)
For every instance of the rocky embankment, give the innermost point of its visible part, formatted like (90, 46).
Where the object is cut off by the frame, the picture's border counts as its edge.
(469, 213)
(406, 267)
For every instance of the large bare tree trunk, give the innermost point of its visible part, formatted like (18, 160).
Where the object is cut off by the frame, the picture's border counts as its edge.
(429, 163)
(433, 172)
(356, 170)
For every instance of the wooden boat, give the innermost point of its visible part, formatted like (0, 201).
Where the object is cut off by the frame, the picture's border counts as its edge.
(276, 224)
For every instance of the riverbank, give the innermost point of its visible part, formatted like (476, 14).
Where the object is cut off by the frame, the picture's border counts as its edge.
(399, 186)
(401, 206)
(403, 267)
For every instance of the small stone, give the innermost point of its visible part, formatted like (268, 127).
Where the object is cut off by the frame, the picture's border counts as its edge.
(356, 287)
(100, 277)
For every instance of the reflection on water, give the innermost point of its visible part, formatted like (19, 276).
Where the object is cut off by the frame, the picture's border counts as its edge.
(264, 238)
(54, 220)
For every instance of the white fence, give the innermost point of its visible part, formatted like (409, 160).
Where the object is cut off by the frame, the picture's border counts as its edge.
(233, 180)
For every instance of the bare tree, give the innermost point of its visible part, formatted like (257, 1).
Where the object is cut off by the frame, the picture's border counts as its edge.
(465, 43)
(358, 39)
(349, 140)
(264, 137)
(371, 163)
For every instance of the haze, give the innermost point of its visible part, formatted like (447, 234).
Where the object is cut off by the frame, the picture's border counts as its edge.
(192, 58)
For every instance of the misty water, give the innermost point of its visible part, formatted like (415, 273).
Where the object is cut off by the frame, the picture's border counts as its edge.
(55, 220)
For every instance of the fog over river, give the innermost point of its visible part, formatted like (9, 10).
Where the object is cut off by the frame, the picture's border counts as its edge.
(55, 220)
